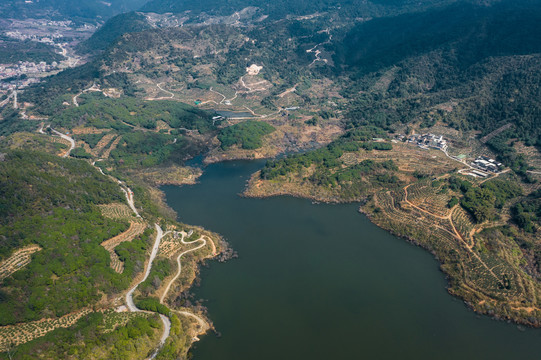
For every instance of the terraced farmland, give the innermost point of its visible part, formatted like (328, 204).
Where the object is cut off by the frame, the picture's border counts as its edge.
(464, 224)
(429, 198)
(105, 154)
(16, 261)
(485, 279)
(117, 211)
(113, 319)
(136, 228)
(171, 243)
(13, 335)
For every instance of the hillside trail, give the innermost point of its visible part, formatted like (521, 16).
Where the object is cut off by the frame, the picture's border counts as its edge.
(457, 234)
(63, 136)
(159, 235)
(203, 324)
(179, 270)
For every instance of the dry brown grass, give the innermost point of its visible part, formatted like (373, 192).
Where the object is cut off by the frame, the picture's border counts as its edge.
(172, 175)
(288, 137)
(162, 125)
(408, 158)
(104, 141)
(533, 156)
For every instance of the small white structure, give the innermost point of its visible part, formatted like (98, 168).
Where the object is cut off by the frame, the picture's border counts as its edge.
(254, 69)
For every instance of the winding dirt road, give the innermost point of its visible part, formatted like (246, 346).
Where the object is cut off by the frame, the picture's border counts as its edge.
(183, 234)
(456, 234)
(129, 196)
(204, 326)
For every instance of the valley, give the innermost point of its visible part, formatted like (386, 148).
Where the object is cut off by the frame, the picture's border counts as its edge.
(433, 134)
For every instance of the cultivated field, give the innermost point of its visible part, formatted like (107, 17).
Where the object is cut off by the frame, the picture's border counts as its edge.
(13, 335)
(18, 260)
(117, 211)
(136, 228)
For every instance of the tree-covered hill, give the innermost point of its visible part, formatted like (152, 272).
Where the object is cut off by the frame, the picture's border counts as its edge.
(129, 112)
(91, 10)
(466, 33)
(12, 51)
(112, 29)
(282, 8)
(483, 59)
(52, 202)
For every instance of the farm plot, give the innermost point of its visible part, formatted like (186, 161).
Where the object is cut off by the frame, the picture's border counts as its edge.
(474, 275)
(13, 335)
(102, 143)
(171, 243)
(105, 154)
(117, 211)
(463, 223)
(16, 261)
(113, 319)
(136, 228)
(429, 198)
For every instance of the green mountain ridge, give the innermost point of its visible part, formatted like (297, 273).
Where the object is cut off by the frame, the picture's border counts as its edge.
(85, 11)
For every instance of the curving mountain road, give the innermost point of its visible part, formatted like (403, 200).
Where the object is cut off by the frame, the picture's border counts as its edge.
(159, 235)
(204, 242)
(65, 137)
(129, 296)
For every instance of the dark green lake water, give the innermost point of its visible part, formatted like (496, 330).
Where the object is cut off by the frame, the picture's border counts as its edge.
(322, 282)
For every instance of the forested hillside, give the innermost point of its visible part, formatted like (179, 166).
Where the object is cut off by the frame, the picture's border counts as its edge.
(112, 29)
(91, 10)
(52, 203)
(282, 8)
(12, 51)
(484, 59)
(331, 90)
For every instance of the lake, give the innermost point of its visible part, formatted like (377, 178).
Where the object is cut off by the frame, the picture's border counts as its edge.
(319, 281)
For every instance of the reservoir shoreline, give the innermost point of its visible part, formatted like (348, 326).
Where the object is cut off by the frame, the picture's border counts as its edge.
(322, 281)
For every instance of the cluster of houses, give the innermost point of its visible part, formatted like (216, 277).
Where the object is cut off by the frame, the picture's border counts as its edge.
(46, 39)
(487, 164)
(7, 86)
(25, 67)
(426, 141)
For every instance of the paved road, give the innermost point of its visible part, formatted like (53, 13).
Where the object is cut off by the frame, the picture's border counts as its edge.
(129, 296)
(65, 137)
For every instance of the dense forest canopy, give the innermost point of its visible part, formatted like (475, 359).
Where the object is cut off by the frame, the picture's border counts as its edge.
(466, 33)
(52, 202)
(112, 29)
(281, 8)
(484, 58)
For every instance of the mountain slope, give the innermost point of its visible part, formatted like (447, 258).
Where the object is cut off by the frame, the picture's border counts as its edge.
(52, 202)
(485, 59)
(90, 10)
(112, 29)
(281, 8)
